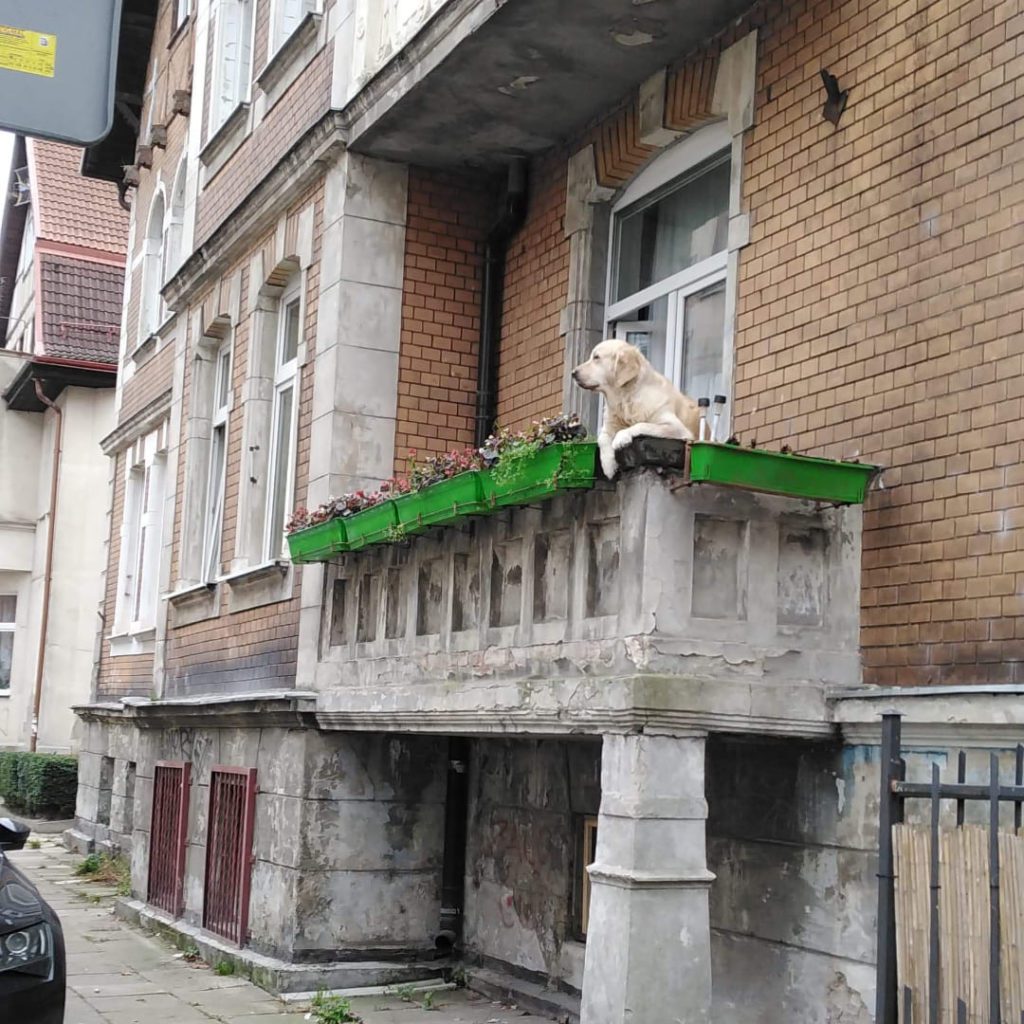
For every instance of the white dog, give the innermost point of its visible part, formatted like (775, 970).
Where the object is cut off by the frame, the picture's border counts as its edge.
(639, 401)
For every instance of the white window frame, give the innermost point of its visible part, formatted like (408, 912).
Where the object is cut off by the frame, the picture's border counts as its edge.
(279, 32)
(8, 628)
(665, 169)
(285, 379)
(182, 9)
(141, 538)
(220, 111)
(154, 248)
(213, 517)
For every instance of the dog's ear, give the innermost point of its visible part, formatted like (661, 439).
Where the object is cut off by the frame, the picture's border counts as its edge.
(628, 364)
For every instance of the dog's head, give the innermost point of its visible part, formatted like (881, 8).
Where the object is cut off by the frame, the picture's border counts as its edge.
(612, 365)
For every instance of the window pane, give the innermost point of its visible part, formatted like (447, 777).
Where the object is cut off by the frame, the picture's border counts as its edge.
(282, 471)
(647, 329)
(8, 608)
(674, 229)
(6, 653)
(290, 338)
(223, 379)
(703, 330)
(215, 502)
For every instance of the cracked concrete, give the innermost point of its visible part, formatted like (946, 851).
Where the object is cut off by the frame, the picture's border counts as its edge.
(118, 975)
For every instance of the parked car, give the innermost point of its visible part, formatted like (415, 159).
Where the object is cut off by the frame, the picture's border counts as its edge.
(33, 970)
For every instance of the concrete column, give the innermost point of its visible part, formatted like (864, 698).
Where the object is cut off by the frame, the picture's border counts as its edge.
(649, 936)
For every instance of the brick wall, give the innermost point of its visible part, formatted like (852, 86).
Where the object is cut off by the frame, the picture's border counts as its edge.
(448, 218)
(305, 102)
(128, 674)
(254, 649)
(881, 308)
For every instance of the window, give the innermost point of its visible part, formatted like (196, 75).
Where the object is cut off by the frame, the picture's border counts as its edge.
(172, 254)
(285, 17)
(151, 305)
(214, 514)
(667, 274)
(141, 541)
(232, 67)
(8, 612)
(181, 12)
(282, 433)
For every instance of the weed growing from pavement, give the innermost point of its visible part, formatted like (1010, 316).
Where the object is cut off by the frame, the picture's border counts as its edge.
(225, 968)
(100, 867)
(327, 1009)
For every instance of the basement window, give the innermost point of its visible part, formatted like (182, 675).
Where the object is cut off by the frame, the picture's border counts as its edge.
(8, 611)
(586, 844)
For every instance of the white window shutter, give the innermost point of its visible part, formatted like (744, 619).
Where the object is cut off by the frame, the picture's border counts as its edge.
(229, 57)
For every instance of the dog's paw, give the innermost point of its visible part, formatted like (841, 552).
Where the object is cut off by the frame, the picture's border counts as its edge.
(622, 439)
(608, 464)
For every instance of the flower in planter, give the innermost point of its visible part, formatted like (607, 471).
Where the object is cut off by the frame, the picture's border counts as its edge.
(298, 521)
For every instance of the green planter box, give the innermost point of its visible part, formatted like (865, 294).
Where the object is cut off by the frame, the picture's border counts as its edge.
(444, 502)
(556, 468)
(798, 476)
(372, 525)
(318, 543)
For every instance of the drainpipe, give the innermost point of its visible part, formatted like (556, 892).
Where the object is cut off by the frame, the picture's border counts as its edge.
(48, 571)
(453, 863)
(495, 249)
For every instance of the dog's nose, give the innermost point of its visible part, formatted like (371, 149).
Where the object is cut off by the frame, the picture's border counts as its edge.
(576, 374)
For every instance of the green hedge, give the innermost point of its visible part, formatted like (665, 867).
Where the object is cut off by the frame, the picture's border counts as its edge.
(39, 785)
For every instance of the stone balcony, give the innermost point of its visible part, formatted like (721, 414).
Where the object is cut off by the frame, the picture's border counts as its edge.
(639, 604)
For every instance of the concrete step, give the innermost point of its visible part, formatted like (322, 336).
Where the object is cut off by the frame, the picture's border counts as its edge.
(527, 995)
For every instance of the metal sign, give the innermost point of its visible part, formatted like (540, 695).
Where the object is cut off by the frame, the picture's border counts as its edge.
(57, 65)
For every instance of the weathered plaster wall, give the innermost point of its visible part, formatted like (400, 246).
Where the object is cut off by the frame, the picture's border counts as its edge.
(792, 835)
(348, 837)
(526, 801)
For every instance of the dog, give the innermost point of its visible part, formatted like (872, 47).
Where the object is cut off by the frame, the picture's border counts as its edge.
(639, 401)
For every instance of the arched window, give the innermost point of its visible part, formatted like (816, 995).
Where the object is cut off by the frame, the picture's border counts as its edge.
(151, 305)
(669, 253)
(175, 225)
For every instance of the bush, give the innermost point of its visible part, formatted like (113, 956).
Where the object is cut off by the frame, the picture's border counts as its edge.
(39, 785)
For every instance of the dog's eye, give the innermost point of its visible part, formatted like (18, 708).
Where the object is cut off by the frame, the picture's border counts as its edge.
(596, 358)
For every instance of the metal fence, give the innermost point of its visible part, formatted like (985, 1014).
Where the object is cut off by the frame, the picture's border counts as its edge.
(944, 954)
(168, 831)
(229, 852)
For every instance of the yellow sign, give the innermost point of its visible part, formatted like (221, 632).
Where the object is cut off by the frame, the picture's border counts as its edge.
(33, 53)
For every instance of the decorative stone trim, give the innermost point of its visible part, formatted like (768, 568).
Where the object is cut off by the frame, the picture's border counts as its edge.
(260, 210)
(264, 709)
(142, 352)
(122, 644)
(623, 878)
(140, 423)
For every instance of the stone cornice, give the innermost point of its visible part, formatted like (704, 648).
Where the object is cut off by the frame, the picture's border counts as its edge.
(139, 423)
(253, 710)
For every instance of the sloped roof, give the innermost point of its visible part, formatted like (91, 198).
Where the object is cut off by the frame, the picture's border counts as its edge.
(72, 209)
(81, 308)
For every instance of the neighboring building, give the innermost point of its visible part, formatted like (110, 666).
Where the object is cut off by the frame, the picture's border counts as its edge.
(437, 740)
(61, 288)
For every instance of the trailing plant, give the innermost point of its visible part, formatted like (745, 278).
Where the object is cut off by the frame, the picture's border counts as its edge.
(504, 452)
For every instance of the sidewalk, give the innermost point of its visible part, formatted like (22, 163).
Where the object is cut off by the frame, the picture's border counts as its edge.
(117, 975)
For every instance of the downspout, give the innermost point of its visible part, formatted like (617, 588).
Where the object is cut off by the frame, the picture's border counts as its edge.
(453, 862)
(495, 249)
(48, 570)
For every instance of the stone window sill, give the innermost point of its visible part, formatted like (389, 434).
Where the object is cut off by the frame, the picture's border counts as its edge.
(141, 353)
(256, 585)
(194, 602)
(295, 51)
(141, 641)
(226, 139)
